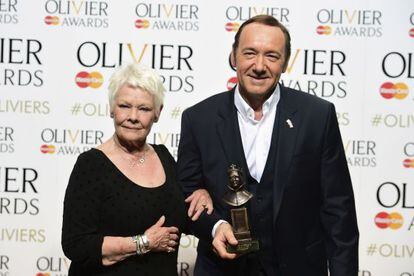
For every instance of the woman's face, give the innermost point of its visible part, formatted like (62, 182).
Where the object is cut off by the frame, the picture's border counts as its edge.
(133, 113)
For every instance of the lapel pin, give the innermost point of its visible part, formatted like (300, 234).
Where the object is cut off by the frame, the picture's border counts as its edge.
(289, 123)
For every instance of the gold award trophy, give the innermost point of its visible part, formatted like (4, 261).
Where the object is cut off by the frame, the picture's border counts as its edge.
(236, 196)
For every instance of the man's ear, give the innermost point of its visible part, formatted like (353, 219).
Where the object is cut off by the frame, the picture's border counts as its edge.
(285, 66)
(158, 114)
(233, 59)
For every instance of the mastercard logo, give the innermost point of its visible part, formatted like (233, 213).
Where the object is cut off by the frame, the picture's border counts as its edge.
(393, 220)
(47, 149)
(411, 32)
(43, 274)
(52, 20)
(389, 90)
(408, 163)
(232, 27)
(323, 30)
(231, 83)
(93, 80)
(142, 24)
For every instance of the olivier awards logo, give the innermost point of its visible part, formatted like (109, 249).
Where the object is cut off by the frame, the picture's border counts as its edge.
(69, 141)
(361, 153)
(236, 15)
(9, 12)
(6, 139)
(77, 13)
(52, 266)
(170, 17)
(408, 150)
(397, 65)
(22, 58)
(320, 72)
(395, 195)
(19, 189)
(19, 197)
(349, 23)
(174, 62)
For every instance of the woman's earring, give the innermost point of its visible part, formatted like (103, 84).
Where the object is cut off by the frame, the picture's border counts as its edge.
(111, 115)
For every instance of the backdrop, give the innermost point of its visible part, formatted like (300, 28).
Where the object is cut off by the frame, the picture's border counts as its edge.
(56, 57)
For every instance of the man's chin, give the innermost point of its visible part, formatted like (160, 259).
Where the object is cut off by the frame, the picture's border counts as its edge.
(257, 90)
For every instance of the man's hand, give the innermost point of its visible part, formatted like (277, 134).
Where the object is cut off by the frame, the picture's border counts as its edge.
(224, 235)
(199, 201)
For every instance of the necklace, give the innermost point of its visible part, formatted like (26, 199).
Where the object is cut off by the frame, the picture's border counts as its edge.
(139, 161)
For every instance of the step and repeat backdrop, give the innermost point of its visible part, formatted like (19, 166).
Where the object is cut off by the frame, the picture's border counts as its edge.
(56, 57)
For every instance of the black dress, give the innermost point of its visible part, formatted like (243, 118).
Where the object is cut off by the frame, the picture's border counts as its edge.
(101, 201)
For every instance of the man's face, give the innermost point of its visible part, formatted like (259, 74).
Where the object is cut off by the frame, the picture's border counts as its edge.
(259, 59)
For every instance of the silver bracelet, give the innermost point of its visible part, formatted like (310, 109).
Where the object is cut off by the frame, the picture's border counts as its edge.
(136, 240)
(141, 243)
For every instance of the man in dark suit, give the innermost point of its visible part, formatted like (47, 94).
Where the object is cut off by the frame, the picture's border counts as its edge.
(289, 146)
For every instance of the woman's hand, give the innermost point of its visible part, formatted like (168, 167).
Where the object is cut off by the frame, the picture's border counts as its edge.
(199, 201)
(162, 238)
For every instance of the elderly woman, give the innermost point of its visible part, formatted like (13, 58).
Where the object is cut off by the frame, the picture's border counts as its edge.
(123, 210)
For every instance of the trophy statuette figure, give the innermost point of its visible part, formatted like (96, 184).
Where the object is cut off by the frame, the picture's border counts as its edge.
(236, 196)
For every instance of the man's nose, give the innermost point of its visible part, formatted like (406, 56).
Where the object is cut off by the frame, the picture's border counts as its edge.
(259, 66)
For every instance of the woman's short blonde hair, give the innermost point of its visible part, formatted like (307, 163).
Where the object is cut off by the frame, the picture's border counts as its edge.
(138, 76)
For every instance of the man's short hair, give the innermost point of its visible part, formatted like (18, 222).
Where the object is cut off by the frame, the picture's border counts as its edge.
(268, 21)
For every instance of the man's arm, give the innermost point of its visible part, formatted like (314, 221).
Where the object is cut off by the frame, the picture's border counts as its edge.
(190, 175)
(338, 210)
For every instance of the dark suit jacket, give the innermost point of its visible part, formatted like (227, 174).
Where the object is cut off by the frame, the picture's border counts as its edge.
(314, 220)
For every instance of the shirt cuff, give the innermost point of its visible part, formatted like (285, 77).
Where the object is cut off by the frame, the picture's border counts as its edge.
(213, 232)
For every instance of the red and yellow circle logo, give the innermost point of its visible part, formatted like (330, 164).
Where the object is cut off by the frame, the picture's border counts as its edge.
(93, 80)
(393, 220)
(389, 90)
(47, 149)
(231, 83)
(323, 30)
(232, 26)
(411, 32)
(408, 163)
(142, 24)
(52, 20)
(43, 274)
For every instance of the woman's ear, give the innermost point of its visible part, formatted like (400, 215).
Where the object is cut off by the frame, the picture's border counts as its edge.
(158, 114)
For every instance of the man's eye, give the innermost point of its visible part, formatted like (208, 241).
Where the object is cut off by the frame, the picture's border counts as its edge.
(273, 57)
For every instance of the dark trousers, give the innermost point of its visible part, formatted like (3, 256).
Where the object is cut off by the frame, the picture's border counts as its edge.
(248, 265)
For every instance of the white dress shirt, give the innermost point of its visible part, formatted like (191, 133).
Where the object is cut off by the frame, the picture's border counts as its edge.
(256, 135)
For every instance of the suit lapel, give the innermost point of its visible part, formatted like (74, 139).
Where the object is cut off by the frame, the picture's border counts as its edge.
(287, 129)
(284, 132)
(229, 134)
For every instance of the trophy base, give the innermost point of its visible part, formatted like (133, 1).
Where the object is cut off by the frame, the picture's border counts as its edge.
(243, 247)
